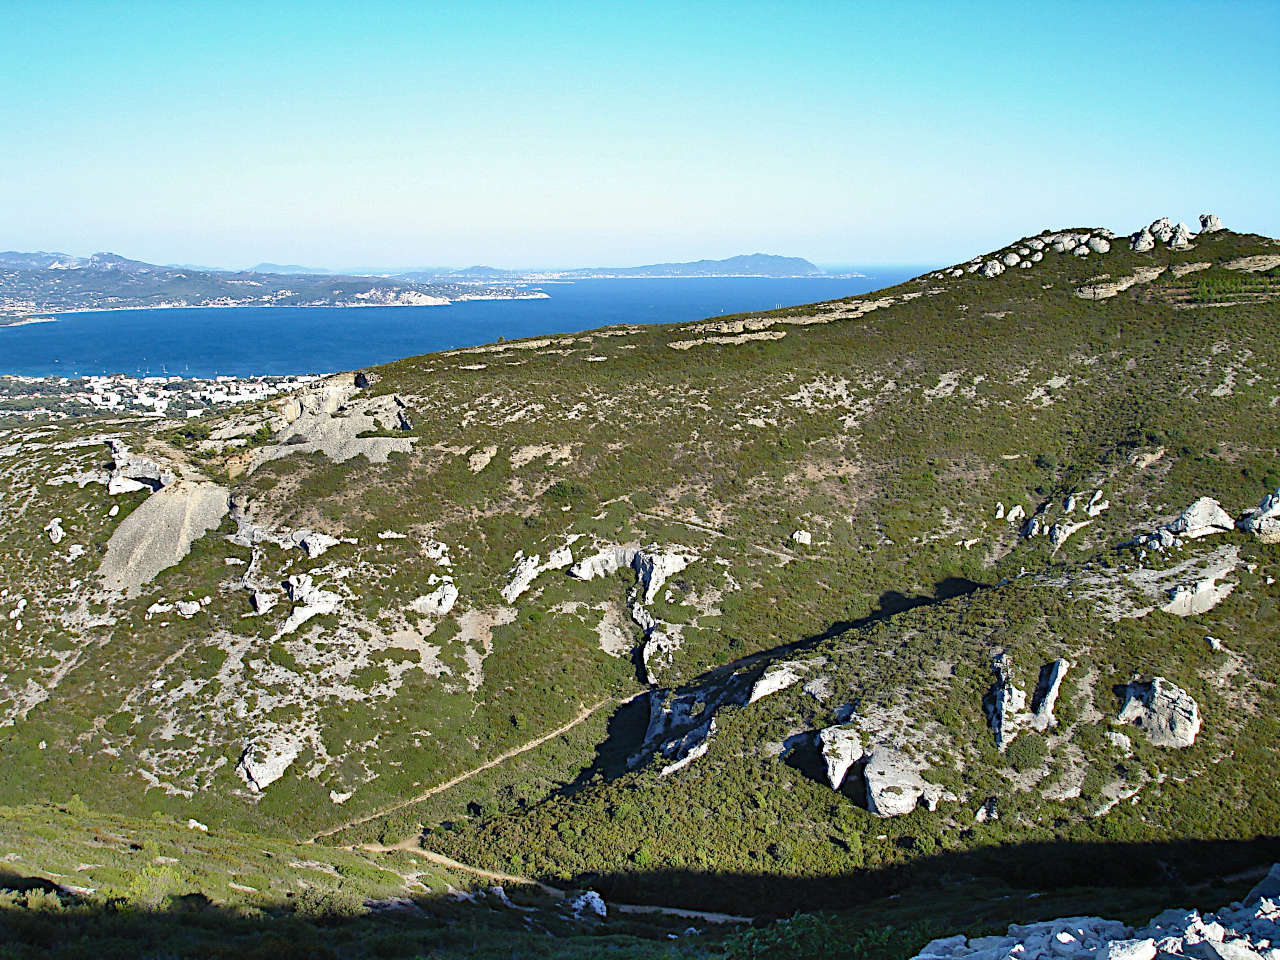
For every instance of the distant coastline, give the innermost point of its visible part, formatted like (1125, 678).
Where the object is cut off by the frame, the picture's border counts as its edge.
(51, 316)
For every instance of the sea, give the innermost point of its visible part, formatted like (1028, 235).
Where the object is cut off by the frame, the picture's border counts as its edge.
(276, 341)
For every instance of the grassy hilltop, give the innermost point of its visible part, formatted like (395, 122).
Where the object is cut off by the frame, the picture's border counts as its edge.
(578, 610)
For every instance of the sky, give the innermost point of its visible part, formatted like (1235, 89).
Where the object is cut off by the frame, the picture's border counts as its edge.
(571, 134)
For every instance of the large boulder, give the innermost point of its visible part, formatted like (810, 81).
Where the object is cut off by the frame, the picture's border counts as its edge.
(1264, 522)
(1202, 518)
(1209, 223)
(1162, 229)
(1142, 242)
(1163, 711)
(1182, 236)
(894, 783)
(841, 749)
(992, 268)
(777, 676)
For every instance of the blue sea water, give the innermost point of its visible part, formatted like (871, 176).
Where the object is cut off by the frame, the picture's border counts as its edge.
(250, 341)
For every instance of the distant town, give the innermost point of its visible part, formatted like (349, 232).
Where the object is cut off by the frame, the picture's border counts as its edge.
(57, 398)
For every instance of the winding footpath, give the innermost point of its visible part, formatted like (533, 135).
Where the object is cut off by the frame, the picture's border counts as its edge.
(487, 765)
(440, 860)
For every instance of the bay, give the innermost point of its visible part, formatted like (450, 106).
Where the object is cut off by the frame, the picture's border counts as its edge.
(271, 341)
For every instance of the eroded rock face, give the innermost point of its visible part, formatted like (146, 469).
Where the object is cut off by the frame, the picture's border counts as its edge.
(130, 472)
(1182, 236)
(527, 569)
(439, 602)
(159, 533)
(992, 268)
(1162, 710)
(309, 601)
(1210, 223)
(1006, 705)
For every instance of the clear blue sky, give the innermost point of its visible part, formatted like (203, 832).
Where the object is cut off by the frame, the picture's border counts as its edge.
(599, 133)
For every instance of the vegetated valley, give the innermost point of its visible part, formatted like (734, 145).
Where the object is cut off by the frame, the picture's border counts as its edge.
(919, 612)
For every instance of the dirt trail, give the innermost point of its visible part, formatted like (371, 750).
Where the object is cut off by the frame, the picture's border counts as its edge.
(488, 765)
(440, 860)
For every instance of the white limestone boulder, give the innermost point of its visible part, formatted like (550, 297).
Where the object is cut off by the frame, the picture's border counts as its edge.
(1210, 223)
(1203, 518)
(841, 748)
(1162, 710)
(264, 761)
(1264, 522)
(1142, 242)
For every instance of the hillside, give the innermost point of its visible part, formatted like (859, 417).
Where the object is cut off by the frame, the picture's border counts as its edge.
(948, 589)
(32, 283)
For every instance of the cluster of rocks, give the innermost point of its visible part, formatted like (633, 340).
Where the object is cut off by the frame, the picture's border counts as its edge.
(1031, 251)
(1059, 531)
(1175, 236)
(1264, 521)
(894, 781)
(1206, 517)
(308, 601)
(1244, 930)
(439, 601)
(1006, 705)
(130, 472)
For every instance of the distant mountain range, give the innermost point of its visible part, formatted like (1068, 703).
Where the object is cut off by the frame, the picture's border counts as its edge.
(743, 265)
(41, 283)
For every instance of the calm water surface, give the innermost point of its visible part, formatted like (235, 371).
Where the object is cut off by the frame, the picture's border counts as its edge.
(282, 340)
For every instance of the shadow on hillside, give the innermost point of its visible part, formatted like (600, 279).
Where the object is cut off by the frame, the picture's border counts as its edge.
(948, 892)
(1038, 867)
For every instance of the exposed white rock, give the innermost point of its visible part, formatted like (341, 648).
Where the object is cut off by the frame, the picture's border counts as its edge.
(439, 602)
(1006, 705)
(264, 761)
(1097, 506)
(1264, 522)
(130, 472)
(309, 601)
(1015, 514)
(1099, 245)
(690, 747)
(1182, 236)
(894, 783)
(1025, 265)
(392, 535)
(1037, 256)
(1162, 229)
(1163, 711)
(314, 544)
(587, 904)
(654, 568)
(802, 538)
(1010, 259)
(841, 749)
(1210, 223)
(1000, 511)
(778, 676)
(1197, 597)
(527, 569)
(54, 529)
(1203, 518)
(159, 533)
(1143, 241)
(1241, 931)
(187, 608)
(992, 268)
(1059, 532)
(262, 601)
(193, 824)
(1082, 250)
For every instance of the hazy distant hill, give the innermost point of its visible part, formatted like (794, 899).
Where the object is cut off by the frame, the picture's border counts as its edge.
(287, 268)
(743, 265)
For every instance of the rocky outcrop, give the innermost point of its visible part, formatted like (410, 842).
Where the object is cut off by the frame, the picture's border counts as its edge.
(1203, 518)
(992, 268)
(802, 538)
(1104, 289)
(778, 676)
(527, 569)
(54, 531)
(1264, 522)
(841, 748)
(895, 785)
(159, 533)
(683, 751)
(308, 600)
(130, 472)
(439, 602)
(264, 761)
(1143, 241)
(1210, 223)
(1006, 704)
(1197, 597)
(1182, 236)
(1163, 711)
